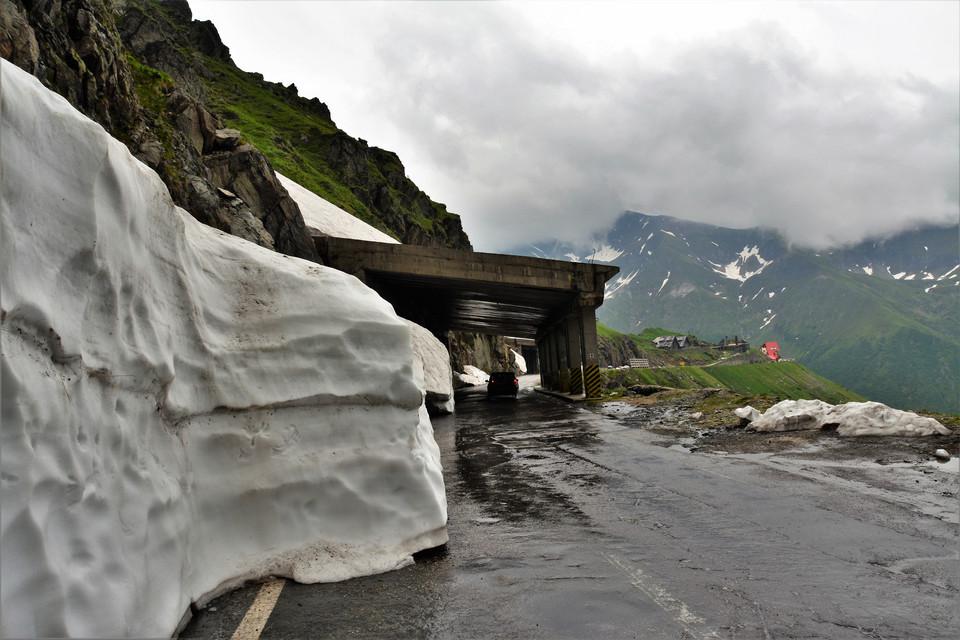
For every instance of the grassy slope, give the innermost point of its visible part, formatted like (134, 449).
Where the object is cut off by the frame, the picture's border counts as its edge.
(784, 380)
(254, 108)
(903, 352)
(887, 340)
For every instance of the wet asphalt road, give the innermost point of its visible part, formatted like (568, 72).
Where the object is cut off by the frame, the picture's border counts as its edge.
(568, 524)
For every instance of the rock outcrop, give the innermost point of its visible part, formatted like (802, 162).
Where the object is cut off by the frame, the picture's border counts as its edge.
(489, 353)
(617, 351)
(77, 48)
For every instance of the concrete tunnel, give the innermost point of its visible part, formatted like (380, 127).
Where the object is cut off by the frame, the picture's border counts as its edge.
(550, 301)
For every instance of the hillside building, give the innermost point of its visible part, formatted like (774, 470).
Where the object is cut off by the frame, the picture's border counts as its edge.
(671, 342)
(736, 345)
(771, 350)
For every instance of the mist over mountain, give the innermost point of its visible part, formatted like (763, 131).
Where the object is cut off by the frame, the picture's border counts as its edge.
(879, 317)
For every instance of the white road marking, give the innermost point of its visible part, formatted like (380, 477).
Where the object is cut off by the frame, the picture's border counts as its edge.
(693, 625)
(256, 618)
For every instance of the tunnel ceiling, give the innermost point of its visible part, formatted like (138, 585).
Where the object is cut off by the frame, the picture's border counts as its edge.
(462, 305)
(446, 289)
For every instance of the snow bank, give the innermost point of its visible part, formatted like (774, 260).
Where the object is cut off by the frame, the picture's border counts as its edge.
(520, 361)
(430, 356)
(327, 219)
(850, 419)
(182, 410)
(432, 362)
(472, 376)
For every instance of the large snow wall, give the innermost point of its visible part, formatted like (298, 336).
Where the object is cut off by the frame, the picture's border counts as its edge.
(182, 410)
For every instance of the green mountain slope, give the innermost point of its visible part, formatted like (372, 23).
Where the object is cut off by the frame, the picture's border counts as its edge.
(880, 318)
(297, 135)
(303, 143)
(887, 340)
(783, 380)
(702, 367)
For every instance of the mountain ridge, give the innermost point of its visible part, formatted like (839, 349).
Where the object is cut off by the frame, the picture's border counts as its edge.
(879, 317)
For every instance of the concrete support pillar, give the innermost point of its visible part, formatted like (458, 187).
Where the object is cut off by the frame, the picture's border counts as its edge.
(543, 357)
(574, 355)
(563, 357)
(591, 362)
(549, 367)
(555, 356)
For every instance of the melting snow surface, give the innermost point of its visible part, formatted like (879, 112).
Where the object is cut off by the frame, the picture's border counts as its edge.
(850, 419)
(183, 410)
(520, 360)
(868, 270)
(473, 376)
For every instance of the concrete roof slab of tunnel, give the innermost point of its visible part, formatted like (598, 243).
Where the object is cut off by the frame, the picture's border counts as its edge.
(448, 289)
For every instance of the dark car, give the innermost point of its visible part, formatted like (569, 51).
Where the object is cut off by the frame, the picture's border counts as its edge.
(503, 383)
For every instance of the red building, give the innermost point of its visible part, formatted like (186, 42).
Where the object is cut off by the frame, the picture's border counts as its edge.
(771, 350)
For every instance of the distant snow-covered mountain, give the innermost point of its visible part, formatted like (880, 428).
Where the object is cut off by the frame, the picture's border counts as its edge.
(879, 317)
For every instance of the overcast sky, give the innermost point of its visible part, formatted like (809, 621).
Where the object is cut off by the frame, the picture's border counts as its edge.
(535, 121)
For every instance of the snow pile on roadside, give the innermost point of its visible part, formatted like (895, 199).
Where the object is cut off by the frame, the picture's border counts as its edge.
(472, 376)
(182, 410)
(327, 219)
(432, 361)
(520, 361)
(850, 419)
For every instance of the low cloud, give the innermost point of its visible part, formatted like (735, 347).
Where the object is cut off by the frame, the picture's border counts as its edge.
(530, 140)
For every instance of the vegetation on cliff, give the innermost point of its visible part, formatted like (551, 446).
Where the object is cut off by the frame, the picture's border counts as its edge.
(166, 86)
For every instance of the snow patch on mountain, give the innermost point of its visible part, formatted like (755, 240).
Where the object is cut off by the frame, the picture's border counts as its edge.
(949, 274)
(665, 281)
(614, 286)
(605, 253)
(737, 270)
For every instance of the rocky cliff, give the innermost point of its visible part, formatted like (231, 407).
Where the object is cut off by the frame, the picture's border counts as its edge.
(165, 85)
